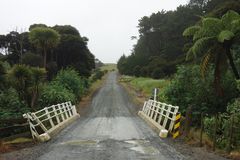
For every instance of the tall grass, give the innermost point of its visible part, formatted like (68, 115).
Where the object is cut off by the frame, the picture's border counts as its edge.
(146, 85)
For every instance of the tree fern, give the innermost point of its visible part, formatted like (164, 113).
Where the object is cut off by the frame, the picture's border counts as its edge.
(205, 62)
(201, 45)
(228, 18)
(190, 31)
(225, 35)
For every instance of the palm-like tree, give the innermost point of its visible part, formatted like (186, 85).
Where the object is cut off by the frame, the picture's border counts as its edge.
(44, 38)
(214, 38)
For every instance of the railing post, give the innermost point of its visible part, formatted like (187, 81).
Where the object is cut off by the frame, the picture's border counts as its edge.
(39, 122)
(49, 117)
(167, 116)
(56, 114)
(60, 112)
(65, 110)
(161, 113)
(156, 112)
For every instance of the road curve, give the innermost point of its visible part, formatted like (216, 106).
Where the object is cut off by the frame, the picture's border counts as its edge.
(110, 130)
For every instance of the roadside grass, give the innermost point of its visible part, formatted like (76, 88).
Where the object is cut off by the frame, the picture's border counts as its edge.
(140, 89)
(145, 85)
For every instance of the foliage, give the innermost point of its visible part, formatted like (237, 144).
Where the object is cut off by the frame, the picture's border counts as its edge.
(44, 38)
(97, 75)
(214, 39)
(159, 47)
(32, 59)
(72, 51)
(224, 126)
(10, 104)
(70, 79)
(188, 88)
(26, 81)
(54, 93)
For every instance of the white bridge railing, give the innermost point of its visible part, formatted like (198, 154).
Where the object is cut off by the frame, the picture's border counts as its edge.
(44, 122)
(161, 115)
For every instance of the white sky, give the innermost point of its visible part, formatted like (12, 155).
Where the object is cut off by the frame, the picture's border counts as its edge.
(109, 24)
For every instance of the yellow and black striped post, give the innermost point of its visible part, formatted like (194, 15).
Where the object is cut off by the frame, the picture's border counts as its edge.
(176, 126)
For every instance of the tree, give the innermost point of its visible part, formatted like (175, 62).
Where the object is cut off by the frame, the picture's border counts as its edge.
(73, 51)
(215, 37)
(44, 38)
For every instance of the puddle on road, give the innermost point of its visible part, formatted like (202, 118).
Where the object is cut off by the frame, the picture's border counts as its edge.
(142, 146)
(80, 142)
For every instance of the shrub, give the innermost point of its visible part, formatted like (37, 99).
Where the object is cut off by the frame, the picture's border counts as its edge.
(97, 75)
(10, 104)
(189, 88)
(224, 126)
(70, 79)
(32, 59)
(54, 93)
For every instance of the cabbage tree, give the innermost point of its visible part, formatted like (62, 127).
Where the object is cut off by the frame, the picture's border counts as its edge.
(44, 38)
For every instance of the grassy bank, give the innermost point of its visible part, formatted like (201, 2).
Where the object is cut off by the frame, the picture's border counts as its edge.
(140, 88)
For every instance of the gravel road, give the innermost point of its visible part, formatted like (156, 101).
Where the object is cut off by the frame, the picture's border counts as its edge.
(110, 130)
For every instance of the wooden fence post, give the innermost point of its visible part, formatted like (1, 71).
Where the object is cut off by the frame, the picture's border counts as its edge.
(230, 134)
(188, 121)
(201, 131)
(215, 132)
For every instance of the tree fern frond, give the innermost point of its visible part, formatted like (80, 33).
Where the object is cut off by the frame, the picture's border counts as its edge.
(201, 45)
(190, 31)
(212, 26)
(228, 18)
(225, 35)
(235, 26)
(205, 63)
(190, 55)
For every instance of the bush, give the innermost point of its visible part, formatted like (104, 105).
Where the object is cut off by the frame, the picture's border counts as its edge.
(11, 105)
(32, 59)
(70, 79)
(97, 75)
(189, 88)
(224, 126)
(55, 93)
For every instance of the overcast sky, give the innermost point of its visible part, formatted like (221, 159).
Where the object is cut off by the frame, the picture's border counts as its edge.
(109, 24)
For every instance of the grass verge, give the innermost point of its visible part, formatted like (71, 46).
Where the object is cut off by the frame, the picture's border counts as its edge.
(141, 88)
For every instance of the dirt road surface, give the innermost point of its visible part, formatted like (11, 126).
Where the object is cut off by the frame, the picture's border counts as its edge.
(110, 130)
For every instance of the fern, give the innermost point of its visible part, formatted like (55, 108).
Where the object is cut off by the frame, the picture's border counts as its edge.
(190, 31)
(235, 28)
(228, 18)
(225, 35)
(201, 45)
(205, 62)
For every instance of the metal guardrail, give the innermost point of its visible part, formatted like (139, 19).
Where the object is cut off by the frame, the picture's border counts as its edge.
(161, 115)
(45, 121)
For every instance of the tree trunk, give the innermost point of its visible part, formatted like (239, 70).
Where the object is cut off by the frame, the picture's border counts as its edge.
(44, 58)
(231, 62)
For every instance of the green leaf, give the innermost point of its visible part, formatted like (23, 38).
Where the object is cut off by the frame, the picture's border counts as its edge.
(228, 18)
(190, 31)
(225, 35)
(211, 27)
(201, 45)
(235, 26)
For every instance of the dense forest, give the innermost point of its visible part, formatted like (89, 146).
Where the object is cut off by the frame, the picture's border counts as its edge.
(161, 45)
(43, 66)
(196, 48)
(53, 48)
